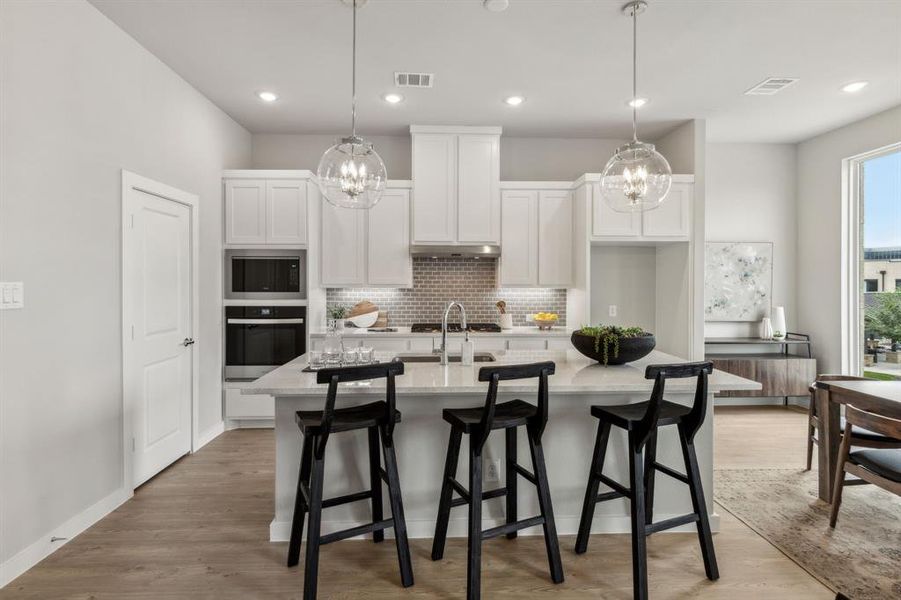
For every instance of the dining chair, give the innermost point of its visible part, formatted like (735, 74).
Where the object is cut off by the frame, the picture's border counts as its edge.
(860, 437)
(881, 467)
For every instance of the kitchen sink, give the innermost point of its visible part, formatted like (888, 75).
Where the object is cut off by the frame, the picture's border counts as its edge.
(479, 357)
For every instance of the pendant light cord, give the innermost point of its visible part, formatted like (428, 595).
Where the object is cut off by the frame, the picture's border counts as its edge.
(353, 85)
(634, 72)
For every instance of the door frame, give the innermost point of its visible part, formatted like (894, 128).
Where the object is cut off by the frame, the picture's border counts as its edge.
(852, 258)
(133, 181)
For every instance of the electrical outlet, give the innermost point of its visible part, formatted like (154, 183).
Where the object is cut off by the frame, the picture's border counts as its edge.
(12, 295)
(493, 470)
(611, 310)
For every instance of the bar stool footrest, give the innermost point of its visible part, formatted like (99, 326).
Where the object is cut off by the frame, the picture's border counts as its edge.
(670, 523)
(355, 531)
(529, 476)
(609, 496)
(674, 474)
(496, 493)
(615, 485)
(346, 499)
(511, 527)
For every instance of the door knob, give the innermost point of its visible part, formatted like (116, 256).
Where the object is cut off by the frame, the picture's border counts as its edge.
(187, 342)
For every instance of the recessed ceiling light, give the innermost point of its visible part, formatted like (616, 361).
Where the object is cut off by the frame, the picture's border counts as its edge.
(393, 98)
(267, 96)
(638, 102)
(855, 86)
(496, 5)
(514, 100)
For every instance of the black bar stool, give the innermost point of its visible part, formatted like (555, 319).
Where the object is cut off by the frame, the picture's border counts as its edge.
(478, 423)
(316, 426)
(641, 420)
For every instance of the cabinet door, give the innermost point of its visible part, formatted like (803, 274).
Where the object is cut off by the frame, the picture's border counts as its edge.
(672, 219)
(478, 181)
(388, 261)
(519, 238)
(343, 246)
(434, 188)
(606, 222)
(555, 238)
(245, 211)
(286, 207)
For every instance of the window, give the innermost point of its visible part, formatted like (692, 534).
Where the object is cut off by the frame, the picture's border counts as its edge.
(898, 285)
(872, 285)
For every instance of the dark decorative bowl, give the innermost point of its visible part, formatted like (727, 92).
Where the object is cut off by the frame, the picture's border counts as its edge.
(630, 349)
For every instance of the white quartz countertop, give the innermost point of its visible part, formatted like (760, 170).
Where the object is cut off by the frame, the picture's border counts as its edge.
(575, 374)
(405, 332)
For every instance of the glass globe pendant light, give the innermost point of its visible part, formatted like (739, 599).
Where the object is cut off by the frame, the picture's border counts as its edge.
(351, 173)
(637, 178)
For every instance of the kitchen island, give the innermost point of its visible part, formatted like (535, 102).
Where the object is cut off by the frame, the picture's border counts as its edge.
(421, 439)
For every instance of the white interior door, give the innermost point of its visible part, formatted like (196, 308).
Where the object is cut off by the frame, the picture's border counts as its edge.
(158, 328)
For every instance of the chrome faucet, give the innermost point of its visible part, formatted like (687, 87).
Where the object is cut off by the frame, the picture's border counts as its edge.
(447, 310)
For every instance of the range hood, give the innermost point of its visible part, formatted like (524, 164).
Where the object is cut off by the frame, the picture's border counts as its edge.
(456, 251)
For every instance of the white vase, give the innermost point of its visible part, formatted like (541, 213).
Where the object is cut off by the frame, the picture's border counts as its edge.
(779, 323)
(766, 329)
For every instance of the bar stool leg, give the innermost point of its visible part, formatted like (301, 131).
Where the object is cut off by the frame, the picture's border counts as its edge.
(397, 511)
(511, 477)
(375, 482)
(705, 537)
(552, 544)
(474, 552)
(591, 492)
(650, 474)
(444, 504)
(639, 539)
(311, 565)
(300, 505)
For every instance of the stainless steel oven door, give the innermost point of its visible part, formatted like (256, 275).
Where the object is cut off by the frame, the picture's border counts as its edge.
(260, 338)
(266, 274)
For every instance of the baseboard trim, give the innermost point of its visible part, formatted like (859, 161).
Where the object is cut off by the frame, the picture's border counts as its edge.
(41, 549)
(765, 401)
(249, 424)
(280, 531)
(209, 435)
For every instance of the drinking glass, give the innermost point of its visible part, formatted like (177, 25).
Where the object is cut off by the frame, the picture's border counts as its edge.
(351, 355)
(365, 355)
(316, 360)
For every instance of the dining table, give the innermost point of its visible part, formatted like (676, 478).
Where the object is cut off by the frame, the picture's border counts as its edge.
(881, 397)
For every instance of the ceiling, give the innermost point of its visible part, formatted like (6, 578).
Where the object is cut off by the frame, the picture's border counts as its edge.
(571, 59)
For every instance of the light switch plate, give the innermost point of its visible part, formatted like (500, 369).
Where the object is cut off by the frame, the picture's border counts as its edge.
(612, 310)
(12, 295)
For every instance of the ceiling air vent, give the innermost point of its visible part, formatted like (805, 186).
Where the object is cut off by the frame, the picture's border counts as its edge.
(770, 86)
(414, 80)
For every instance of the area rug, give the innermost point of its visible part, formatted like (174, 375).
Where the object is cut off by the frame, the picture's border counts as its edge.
(860, 558)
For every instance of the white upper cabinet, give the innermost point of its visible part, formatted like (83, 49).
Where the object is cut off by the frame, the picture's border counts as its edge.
(518, 264)
(343, 252)
(286, 203)
(536, 237)
(368, 247)
(456, 176)
(478, 208)
(555, 235)
(388, 258)
(245, 211)
(435, 188)
(672, 219)
(266, 211)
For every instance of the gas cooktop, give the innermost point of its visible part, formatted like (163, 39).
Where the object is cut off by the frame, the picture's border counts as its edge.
(455, 327)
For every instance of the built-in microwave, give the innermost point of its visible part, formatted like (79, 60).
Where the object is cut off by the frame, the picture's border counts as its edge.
(266, 274)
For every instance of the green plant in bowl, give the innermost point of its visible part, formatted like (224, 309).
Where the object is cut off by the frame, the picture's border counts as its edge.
(604, 342)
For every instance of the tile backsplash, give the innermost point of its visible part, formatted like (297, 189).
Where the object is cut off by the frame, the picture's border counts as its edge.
(437, 281)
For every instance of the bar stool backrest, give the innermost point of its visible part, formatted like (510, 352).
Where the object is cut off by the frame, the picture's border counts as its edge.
(494, 375)
(660, 373)
(337, 375)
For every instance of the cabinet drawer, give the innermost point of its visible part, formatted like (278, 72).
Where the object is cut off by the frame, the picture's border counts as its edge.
(255, 406)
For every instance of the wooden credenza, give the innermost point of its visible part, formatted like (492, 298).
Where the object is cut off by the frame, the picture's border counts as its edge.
(782, 374)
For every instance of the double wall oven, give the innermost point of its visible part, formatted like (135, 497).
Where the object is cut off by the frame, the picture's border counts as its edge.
(265, 320)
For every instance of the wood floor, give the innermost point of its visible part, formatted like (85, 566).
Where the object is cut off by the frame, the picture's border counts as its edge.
(200, 529)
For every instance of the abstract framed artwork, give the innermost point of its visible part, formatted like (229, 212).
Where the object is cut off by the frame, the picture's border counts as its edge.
(738, 280)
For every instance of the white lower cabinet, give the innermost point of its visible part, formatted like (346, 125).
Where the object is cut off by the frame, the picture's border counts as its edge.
(247, 407)
(536, 238)
(367, 247)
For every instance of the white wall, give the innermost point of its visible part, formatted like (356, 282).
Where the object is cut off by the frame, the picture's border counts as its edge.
(522, 159)
(751, 197)
(81, 100)
(820, 226)
(624, 276)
